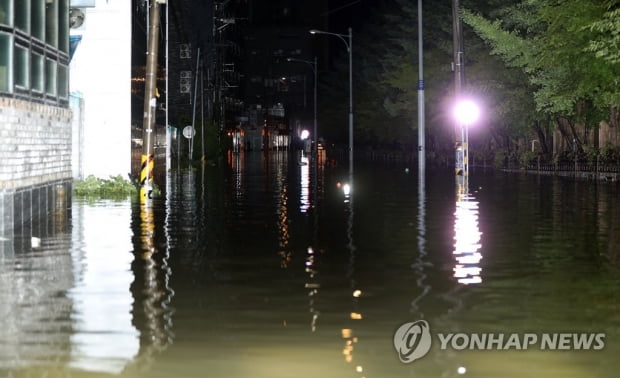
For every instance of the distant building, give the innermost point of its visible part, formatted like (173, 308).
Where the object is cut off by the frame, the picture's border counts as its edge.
(100, 88)
(275, 31)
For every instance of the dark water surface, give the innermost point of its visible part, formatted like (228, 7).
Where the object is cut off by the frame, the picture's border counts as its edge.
(256, 269)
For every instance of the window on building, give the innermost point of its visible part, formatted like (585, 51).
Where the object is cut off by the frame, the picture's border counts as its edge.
(6, 56)
(63, 81)
(22, 67)
(36, 72)
(50, 77)
(51, 23)
(184, 51)
(34, 49)
(6, 12)
(63, 27)
(22, 16)
(37, 25)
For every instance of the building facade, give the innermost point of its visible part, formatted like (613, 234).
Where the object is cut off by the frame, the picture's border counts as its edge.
(279, 92)
(35, 119)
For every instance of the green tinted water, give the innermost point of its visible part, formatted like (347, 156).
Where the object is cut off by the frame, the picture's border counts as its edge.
(247, 271)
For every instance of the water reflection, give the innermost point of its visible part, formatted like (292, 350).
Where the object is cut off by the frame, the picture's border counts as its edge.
(236, 161)
(421, 262)
(348, 334)
(467, 241)
(467, 235)
(304, 197)
(66, 305)
(312, 285)
(282, 200)
(152, 307)
(103, 338)
(33, 298)
(203, 292)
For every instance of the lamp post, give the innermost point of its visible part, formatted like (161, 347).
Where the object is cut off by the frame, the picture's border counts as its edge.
(349, 45)
(466, 112)
(314, 132)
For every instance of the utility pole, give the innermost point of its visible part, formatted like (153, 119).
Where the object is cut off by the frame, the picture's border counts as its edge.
(458, 61)
(150, 105)
(421, 126)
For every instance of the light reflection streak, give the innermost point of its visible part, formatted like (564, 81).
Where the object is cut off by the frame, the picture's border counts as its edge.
(304, 184)
(356, 293)
(282, 208)
(312, 285)
(236, 161)
(467, 238)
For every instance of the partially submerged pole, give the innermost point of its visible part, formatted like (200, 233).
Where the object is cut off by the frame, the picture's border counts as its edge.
(421, 126)
(461, 166)
(150, 105)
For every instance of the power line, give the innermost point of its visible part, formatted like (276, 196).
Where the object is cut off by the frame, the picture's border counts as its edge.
(340, 8)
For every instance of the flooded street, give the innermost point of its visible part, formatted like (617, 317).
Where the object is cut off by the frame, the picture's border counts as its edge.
(262, 268)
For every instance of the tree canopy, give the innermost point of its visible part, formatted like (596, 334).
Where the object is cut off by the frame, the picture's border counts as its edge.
(527, 62)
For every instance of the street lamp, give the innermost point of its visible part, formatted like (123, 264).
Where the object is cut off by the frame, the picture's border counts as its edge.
(314, 70)
(349, 46)
(466, 112)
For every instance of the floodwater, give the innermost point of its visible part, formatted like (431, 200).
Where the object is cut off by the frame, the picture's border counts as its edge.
(263, 268)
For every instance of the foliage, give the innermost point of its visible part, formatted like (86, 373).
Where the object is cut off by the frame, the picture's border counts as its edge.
(114, 187)
(610, 154)
(556, 54)
(529, 64)
(591, 154)
(526, 158)
(499, 160)
(606, 43)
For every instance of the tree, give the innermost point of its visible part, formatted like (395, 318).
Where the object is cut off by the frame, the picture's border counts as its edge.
(549, 40)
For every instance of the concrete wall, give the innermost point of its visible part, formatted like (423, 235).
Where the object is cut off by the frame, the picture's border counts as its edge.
(35, 168)
(36, 143)
(101, 73)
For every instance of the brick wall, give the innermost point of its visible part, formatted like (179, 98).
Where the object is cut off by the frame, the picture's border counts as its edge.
(35, 143)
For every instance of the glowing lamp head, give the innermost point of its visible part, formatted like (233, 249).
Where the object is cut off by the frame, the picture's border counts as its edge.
(466, 112)
(346, 189)
(304, 134)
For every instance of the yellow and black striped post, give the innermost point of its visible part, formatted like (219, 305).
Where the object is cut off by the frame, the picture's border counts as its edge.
(146, 177)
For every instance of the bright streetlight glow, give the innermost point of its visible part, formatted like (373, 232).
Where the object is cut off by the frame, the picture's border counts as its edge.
(305, 134)
(346, 189)
(466, 112)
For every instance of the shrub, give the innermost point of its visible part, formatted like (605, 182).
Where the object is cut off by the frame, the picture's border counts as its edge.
(114, 187)
(610, 154)
(526, 158)
(499, 159)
